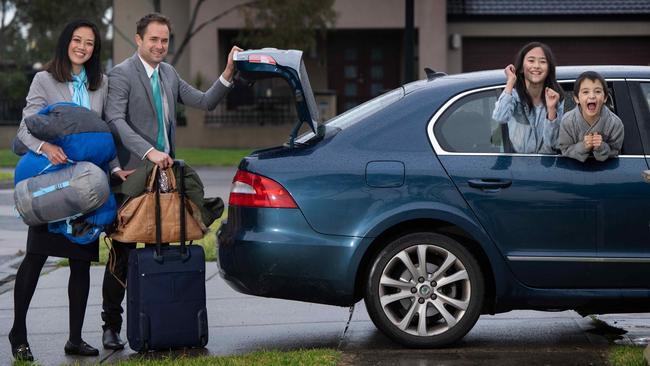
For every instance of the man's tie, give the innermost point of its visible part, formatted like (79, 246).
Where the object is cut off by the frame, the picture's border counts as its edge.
(157, 101)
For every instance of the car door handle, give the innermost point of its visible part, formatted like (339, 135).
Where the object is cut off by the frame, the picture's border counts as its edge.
(489, 183)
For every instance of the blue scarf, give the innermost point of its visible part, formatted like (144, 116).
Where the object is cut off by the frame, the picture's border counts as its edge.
(80, 89)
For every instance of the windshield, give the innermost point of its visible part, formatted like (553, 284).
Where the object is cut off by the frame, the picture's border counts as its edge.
(354, 115)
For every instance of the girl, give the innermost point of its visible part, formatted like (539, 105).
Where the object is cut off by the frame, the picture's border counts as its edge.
(531, 103)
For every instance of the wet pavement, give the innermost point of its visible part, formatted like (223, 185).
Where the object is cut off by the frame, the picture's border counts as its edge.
(241, 323)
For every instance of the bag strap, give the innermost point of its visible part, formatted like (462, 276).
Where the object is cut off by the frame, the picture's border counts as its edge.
(157, 212)
(112, 261)
(48, 166)
(49, 189)
(152, 179)
(181, 170)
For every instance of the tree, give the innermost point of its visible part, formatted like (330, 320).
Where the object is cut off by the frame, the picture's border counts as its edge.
(29, 30)
(10, 41)
(286, 23)
(44, 19)
(282, 23)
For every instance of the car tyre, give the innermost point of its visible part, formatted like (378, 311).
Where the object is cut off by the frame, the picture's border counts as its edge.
(424, 290)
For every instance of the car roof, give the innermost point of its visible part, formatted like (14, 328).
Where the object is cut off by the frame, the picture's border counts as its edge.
(478, 79)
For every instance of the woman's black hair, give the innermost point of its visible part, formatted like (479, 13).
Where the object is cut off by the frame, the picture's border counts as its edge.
(550, 81)
(60, 66)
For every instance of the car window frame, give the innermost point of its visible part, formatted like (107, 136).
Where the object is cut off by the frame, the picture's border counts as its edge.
(641, 111)
(450, 102)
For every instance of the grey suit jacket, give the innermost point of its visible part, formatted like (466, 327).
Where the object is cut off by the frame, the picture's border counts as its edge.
(131, 114)
(45, 91)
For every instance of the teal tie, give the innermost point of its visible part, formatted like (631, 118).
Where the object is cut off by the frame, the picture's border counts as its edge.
(157, 101)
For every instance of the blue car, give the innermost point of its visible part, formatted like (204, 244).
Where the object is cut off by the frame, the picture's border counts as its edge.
(415, 202)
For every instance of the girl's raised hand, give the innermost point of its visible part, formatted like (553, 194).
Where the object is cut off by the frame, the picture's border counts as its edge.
(552, 97)
(511, 76)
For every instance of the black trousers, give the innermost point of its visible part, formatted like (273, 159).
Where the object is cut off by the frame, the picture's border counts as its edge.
(112, 290)
(25, 285)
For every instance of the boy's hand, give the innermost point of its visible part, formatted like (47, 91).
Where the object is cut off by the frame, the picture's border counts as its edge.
(596, 140)
(588, 141)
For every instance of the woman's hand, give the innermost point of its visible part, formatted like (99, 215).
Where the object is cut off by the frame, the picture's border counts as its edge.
(54, 153)
(552, 98)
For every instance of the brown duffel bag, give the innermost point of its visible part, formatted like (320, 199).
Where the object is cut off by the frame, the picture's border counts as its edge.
(136, 218)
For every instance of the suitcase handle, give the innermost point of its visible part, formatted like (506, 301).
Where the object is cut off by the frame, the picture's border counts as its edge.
(161, 255)
(158, 256)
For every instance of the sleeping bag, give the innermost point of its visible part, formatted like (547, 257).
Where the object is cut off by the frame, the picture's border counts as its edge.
(66, 193)
(80, 132)
(84, 137)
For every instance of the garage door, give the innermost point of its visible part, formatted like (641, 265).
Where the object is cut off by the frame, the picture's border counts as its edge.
(481, 53)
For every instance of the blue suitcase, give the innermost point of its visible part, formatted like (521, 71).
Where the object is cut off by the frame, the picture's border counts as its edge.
(166, 295)
(166, 298)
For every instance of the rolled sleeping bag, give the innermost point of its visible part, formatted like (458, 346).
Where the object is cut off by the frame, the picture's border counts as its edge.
(66, 193)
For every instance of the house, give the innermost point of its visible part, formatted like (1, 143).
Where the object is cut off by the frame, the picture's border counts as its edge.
(362, 55)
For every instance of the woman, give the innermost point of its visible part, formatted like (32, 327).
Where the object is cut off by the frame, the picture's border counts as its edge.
(73, 75)
(531, 103)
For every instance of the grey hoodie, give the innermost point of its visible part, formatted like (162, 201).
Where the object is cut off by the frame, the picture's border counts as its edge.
(574, 128)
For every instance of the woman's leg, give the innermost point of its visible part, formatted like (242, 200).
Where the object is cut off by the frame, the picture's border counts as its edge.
(24, 287)
(78, 287)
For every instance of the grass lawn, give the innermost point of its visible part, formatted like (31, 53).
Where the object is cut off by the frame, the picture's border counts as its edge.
(626, 356)
(8, 159)
(212, 157)
(320, 357)
(4, 176)
(193, 157)
(315, 357)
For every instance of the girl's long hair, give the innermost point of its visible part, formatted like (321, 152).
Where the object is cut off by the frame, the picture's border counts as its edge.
(550, 80)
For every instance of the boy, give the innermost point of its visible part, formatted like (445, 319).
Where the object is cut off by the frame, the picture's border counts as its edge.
(590, 128)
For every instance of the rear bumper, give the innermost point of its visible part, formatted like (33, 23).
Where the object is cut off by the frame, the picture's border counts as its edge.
(275, 253)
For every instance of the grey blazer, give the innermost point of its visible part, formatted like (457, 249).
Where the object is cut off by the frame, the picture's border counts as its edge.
(45, 91)
(130, 112)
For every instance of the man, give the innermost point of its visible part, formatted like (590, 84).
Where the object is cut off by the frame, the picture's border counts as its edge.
(140, 111)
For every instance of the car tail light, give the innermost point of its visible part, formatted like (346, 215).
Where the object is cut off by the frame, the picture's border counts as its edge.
(261, 59)
(254, 190)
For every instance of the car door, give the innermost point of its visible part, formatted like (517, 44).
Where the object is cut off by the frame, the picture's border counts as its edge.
(546, 213)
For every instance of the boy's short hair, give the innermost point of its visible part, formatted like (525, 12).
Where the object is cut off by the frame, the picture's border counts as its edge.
(142, 24)
(593, 76)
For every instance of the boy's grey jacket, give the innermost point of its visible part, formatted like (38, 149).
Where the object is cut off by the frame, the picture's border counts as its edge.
(130, 110)
(574, 128)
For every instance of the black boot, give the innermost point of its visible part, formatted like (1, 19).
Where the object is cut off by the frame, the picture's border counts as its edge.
(81, 349)
(112, 340)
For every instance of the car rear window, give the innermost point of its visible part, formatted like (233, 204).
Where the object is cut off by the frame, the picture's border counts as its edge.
(359, 112)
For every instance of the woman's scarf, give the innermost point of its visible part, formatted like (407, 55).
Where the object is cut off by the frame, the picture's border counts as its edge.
(80, 89)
